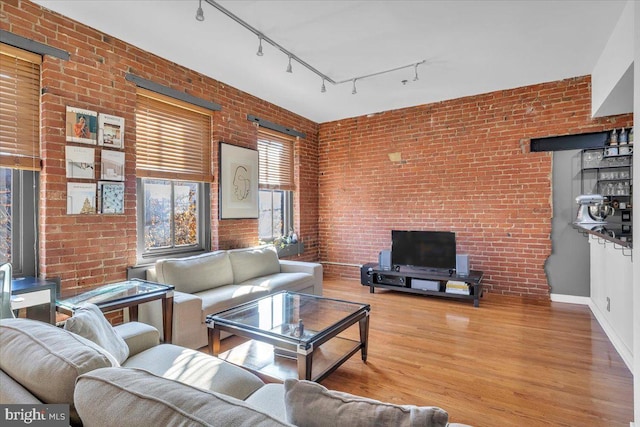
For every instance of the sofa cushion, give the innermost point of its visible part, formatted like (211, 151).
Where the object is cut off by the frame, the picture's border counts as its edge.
(218, 299)
(89, 322)
(197, 369)
(311, 405)
(46, 360)
(294, 282)
(196, 273)
(103, 396)
(253, 262)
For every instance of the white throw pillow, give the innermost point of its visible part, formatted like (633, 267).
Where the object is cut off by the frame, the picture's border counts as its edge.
(311, 405)
(89, 322)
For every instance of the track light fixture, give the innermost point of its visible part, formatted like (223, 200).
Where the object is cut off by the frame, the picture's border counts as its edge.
(259, 52)
(200, 12)
(325, 78)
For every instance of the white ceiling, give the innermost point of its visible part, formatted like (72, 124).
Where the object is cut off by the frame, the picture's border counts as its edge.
(470, 47)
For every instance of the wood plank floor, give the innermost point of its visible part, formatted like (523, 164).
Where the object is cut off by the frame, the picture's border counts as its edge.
(506, 363)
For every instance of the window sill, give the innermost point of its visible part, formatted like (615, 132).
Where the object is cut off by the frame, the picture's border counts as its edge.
(290, 249)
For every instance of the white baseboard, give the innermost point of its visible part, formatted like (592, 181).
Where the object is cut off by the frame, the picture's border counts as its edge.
(570, 299)
(622, 349)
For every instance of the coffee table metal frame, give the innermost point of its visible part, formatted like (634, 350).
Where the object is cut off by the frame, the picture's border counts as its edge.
(302, 348)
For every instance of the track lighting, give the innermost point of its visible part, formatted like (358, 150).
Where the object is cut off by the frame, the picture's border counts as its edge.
(261, 36)
(200, 12)
(259, 52)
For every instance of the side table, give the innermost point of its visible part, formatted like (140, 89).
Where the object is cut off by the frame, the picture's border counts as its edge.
(28, 292)
(128, 294)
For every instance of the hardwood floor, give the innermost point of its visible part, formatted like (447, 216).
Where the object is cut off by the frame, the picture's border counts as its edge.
(506, 363)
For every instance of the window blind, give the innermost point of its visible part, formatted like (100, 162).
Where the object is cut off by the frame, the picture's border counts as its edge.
(173, 139)
(19, 108)
(275, 161)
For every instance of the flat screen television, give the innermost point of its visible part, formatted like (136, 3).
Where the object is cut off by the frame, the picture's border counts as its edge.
(426, 249)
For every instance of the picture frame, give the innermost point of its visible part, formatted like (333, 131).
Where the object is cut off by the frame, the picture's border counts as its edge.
(110, 131)
(81, 125)
(238, 182)
(110, 197)
(80, 162)
(112, 165)
(81, 198)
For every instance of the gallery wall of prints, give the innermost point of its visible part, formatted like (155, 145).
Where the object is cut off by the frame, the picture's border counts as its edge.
(94, 186)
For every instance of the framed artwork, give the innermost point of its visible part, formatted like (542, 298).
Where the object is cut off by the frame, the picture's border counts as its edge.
(238, 182)
(81, 198)
(112, 165)
(110, 131)
(80, 162)
(110, 197)
(81, 125)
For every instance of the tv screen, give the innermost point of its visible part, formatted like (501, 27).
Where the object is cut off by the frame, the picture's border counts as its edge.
(429, 249)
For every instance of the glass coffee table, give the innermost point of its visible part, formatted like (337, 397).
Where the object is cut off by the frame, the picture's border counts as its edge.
(300, 328)
(128, 294)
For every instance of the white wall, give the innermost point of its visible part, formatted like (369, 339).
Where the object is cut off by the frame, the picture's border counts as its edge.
(612, 77)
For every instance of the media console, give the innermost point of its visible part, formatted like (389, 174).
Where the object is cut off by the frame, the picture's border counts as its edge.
(422, 281)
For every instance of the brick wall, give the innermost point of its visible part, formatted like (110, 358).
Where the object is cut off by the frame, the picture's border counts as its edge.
(466, 167)
(95, 249)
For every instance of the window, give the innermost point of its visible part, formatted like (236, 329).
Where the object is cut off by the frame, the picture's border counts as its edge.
(276, 186)
(173, 141)
(19, 158)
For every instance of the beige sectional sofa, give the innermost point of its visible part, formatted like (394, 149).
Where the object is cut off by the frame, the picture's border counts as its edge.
(165, 385)
(215, 281)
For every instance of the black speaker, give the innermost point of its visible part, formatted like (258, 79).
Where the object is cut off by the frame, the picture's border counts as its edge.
(365, 274)
(384, 260)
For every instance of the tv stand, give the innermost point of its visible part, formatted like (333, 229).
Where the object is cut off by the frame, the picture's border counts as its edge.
(422, 281)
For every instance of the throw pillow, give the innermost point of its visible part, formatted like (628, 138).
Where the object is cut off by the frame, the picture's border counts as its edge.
(311, 405)
(89, 322)
(124, 396)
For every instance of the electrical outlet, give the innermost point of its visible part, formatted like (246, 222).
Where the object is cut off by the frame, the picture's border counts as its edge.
(608, 304)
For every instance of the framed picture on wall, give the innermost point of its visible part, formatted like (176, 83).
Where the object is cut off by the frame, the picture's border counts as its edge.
(81, 126)
(238, 182)
(110, 131)
(81, 198)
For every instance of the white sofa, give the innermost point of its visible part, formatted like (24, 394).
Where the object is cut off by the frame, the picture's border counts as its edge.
(215, 281)
(167, 385)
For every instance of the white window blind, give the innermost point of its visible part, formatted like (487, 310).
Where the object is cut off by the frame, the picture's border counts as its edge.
(276, 161)
(19, 108)
(173, 139)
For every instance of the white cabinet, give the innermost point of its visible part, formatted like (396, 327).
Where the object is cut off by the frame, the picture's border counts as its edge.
(612, 293)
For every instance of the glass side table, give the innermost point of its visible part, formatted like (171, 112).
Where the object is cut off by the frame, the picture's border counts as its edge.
(128, 294)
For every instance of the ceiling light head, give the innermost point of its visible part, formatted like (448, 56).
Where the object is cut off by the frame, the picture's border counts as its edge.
(323, 88)
(415, 78)
(200, 12)
(354, 91)
(289, 69)
(259, 52)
